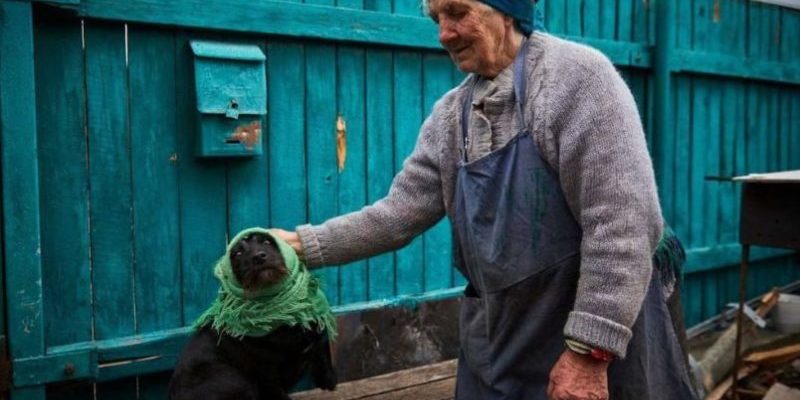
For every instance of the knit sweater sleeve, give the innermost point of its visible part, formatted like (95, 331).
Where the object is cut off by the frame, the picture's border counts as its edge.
(413, 204)
(607, 177)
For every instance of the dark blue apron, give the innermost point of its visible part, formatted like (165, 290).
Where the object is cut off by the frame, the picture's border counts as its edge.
(518, 245)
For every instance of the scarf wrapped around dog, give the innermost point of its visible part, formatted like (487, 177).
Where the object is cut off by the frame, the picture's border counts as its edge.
(297, 299)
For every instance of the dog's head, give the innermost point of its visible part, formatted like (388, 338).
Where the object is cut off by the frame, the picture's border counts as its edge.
(256, 261)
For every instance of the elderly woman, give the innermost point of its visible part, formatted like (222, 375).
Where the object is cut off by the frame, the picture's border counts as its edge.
(539, 160)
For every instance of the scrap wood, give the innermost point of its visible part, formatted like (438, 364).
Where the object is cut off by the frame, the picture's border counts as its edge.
(723, 387)
(780, 391)
(720, 357)
(776, 356)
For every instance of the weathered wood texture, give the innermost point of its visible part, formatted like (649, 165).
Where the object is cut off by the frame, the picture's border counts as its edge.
(430, 382)
(111, 225)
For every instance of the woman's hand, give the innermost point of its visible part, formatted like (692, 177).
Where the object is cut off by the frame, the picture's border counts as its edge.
(292, 238)
(578, 377)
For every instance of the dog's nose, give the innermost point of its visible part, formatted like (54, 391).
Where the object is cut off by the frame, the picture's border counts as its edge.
(261, 255)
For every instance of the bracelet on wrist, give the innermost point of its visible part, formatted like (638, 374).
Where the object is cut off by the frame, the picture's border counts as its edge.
(593, 352)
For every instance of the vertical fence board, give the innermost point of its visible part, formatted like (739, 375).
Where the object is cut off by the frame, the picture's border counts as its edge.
(380, 162)
(202, 196)
(436, 81)
(682, 191)
(64, 187)
(287, 149)
(248, 181)
(352, 179)
(321, 136)
(407, 117)
(698, 133)
(155, 179)
(712, 152)
(110, 171)
(556, 17)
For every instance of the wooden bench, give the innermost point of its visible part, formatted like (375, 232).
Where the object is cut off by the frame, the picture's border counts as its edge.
(429, 382)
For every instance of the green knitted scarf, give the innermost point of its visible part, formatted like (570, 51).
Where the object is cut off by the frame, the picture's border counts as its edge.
(297, 299)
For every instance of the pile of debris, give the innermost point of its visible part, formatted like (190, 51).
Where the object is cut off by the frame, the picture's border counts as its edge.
(770, 367)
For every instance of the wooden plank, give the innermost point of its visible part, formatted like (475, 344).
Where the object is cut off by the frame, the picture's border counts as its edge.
(287, 150)
(353, 278)
(110, 175)
(407, 117)
(385, 385)
(286, 19)
(20, 180)
(248, 181)
(321, 137)
(607, 18)
(624, 21)
(438, 390)
(728, 218)
(752, 67)
(61, 100)
(591, 18)
(437, 80)
(573, 11)
(712, 165)
(774, 356)
(380, 160)
(699, 259)
(556, 17)
(683, 18)
(202, 196)
(408, 7)
(682, 131)
(154, 178)
(698, 132)
(664, 126)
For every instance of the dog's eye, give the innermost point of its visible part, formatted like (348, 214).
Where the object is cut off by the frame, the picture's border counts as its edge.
(238, 254)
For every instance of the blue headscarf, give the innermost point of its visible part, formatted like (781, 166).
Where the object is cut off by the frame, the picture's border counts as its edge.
(520, 10)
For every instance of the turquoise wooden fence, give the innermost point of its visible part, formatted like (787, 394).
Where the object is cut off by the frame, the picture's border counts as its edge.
(110, 224)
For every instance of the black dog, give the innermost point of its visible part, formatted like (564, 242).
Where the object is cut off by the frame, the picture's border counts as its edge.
(217, 366)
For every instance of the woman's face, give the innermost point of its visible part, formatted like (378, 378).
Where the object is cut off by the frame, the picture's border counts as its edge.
(473, 33)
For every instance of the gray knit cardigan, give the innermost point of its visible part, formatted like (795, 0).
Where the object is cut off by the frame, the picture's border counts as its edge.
(585, 122)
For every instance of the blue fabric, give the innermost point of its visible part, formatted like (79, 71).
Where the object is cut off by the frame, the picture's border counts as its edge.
(520, 10)
(518, 245)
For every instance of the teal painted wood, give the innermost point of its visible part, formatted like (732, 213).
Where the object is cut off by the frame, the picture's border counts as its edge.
(697, 183)
(437, 80)
(681, 194)
(154, 179)
(287, 149)
(555, 17)
(248, 179)
(407, 117)
(352, 178)
(21, 235)
(380, 159)
(590, 18)
(664, 126)
(64, 187)
(573, 10)
(286, 18)
(320, 129)
(202, 196)
(110, 181)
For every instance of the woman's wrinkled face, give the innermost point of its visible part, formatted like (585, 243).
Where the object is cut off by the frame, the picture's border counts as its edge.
(472, 32)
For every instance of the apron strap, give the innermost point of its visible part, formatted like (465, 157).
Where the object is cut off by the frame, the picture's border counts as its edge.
(520, 85)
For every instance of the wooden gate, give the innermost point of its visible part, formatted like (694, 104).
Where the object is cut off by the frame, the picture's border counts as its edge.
(111, 224)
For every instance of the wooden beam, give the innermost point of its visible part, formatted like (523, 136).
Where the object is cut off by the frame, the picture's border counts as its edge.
(716, 64)
(271, 17)
(406, 382)
(700, 259)
(308, 21)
